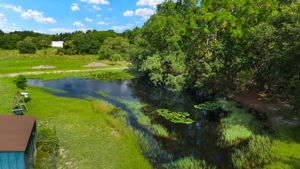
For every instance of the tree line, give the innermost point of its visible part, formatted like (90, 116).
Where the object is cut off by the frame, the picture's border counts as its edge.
(208, 46)
(108, 44)
(214, 46)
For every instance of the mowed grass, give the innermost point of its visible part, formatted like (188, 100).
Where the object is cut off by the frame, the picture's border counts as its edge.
(13, 62)
(91, 138)
(288, 148)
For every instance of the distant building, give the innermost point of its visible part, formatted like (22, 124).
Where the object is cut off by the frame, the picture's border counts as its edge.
(17, 142)
(57, 44)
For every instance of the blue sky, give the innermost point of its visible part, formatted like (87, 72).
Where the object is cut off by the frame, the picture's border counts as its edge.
(56, 16)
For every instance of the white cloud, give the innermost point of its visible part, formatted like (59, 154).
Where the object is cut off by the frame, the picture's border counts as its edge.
(98, 15)
(78, 23)
(63, 30)
(2, 18)
(128, 13)
(96, 7)
(152, 3)
(31, 14)
(102, 23)
(145, 13)
(4, 26)
(37, 16)
(15, 8)
(88, 20)
(119, 28)
(75, 7)
(102, 2)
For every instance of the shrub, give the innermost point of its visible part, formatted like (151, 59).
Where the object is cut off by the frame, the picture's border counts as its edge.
(21, 82)
(27, 99)
(256, 154)
(26, 46)
(115, 57)
(47, 139)
(188, 163)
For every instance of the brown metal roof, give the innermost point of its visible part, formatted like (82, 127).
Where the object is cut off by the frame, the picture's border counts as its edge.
(15, 132)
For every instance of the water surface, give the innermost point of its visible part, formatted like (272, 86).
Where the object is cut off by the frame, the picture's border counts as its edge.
(199, 139)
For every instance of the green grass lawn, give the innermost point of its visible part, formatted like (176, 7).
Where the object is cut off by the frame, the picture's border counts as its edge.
(13, 62)
(288, 148)
(90, 139)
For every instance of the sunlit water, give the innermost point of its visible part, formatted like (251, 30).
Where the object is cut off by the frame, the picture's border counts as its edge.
(199, 139)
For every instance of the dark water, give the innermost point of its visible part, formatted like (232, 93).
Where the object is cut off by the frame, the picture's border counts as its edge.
(199, 139)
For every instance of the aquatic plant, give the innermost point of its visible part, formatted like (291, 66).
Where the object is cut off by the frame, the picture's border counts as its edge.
(256, 154)
(142, 118)
(222, 104)
(109, 76)
(150, 148)
(175, 117)
(159, 130)
(188, 163)
(47, 89)
(103, 94)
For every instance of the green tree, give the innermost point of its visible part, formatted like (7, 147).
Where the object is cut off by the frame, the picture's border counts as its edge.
(118, 45)
(26, 46)
(9, 41)
(21, 82)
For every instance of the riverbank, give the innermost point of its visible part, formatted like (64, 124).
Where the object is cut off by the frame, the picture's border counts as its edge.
(87, 138)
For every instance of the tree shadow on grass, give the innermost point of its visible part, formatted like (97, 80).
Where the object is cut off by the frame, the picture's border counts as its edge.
(288, 134)
(293, 162)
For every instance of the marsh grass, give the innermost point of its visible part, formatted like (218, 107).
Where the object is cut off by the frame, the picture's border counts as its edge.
(151, 149)
(51, 89)
(188, 163)
(100, 106)
(256, 154)
(109, 76)
(237, 127)
(57, 76)
(103, 94)
(159, 130)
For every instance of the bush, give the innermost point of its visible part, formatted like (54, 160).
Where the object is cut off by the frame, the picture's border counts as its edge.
(256, 154)
(26, 46)
(188, 163)
(21, 82)
(115, 57)
(27, 99)
(47, 140)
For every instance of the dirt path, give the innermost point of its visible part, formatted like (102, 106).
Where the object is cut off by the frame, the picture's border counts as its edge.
(277, 110)
(60, 71)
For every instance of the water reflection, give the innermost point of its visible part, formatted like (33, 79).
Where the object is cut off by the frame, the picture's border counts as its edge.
(199, 139)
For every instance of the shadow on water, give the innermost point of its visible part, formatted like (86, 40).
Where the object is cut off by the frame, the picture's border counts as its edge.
(199, 139)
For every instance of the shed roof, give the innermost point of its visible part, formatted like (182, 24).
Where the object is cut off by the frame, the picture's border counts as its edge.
(15, 132)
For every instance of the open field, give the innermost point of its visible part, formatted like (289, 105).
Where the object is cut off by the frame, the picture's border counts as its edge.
(13, 62)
